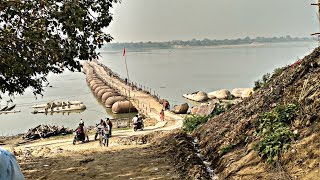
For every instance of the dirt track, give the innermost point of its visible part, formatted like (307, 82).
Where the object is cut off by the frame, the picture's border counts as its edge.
(125, 158)
(57, 158)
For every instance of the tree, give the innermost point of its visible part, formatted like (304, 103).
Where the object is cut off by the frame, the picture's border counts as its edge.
(42, 36)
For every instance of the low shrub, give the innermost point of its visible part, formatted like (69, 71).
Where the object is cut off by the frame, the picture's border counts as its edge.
(261, 83)
(274, 130)
(191, 122)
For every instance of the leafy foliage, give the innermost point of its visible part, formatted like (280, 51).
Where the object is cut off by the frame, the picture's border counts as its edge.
(278, 71)
(192, 122)
(38, 37)
(261, 83)
(274, 129)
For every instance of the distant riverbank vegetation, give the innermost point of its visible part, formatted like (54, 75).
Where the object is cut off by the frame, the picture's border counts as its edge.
(204, 43)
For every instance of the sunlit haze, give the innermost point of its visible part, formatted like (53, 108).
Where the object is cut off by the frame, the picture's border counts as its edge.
(163, 20)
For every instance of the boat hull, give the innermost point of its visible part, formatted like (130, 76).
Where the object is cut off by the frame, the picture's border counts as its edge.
(62, 109)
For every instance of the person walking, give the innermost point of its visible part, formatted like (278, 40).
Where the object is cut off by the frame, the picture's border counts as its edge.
(162, 115)
(98, 126)
(110, 126)
(106, 134)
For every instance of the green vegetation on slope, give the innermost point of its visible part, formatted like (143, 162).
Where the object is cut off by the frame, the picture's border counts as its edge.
(192, 122)
(274, 130)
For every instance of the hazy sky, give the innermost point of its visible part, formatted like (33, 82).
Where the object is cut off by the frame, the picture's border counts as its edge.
(163, 20)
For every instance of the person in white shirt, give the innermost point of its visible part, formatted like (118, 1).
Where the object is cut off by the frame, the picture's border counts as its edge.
(9, 168)
(106, 130)
(135, 120)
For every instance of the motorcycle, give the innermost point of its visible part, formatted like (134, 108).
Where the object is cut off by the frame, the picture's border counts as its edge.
(78, 137)
(138, 125)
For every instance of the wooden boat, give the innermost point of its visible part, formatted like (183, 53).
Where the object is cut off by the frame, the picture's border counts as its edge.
(11, 107)
(74, 107)
(113, 99)
(56, 104)
(199, 96)
(3, 109)
(181, 109)
(123, 107)
(7, 112)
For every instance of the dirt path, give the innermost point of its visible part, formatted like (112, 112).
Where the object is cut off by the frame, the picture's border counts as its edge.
(58, 158)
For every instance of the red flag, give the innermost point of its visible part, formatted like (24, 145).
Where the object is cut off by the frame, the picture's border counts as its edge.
(124, 51)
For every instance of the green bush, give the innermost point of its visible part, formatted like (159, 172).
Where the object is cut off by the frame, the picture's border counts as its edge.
(278, 71)
(191, 122)
(261, 83)
(274, 129)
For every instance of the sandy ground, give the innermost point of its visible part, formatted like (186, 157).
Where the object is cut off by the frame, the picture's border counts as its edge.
(117, 162)
(58, 158)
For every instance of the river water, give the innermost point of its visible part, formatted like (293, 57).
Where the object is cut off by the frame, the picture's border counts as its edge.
(167, 72)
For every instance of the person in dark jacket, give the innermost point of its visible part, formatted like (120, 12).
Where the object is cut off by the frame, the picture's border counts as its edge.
(110, 126)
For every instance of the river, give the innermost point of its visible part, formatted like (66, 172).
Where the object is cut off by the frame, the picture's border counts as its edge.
(167, 72)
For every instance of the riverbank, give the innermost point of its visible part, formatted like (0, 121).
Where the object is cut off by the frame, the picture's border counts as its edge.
(186, 70)
(129, 155)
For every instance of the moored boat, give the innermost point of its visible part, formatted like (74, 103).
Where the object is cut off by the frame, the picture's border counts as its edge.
(66, 108)
(3, 109)
(57, 104)
(7, 112)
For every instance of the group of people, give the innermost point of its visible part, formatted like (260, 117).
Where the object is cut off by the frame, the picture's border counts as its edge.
(104, 128)
(137, 122)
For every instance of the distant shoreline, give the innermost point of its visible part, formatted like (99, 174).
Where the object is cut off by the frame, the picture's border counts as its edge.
(247, 41)
(116, 50)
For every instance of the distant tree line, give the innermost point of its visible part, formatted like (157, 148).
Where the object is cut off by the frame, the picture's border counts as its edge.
(204, 42)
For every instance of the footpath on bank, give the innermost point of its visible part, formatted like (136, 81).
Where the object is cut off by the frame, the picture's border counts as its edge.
(127, 157)
(145, 103)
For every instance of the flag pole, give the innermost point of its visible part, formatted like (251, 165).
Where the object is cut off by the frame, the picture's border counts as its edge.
(125, 61)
